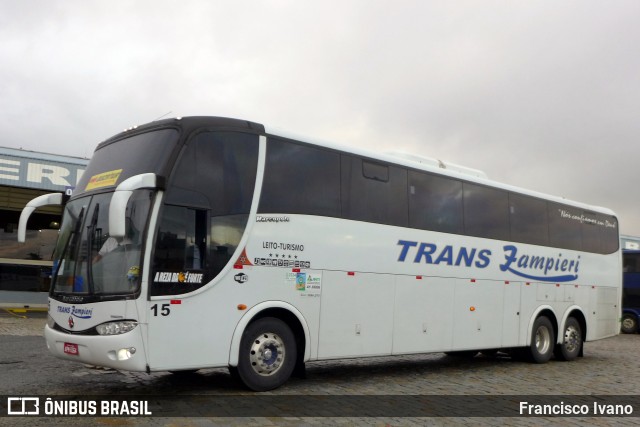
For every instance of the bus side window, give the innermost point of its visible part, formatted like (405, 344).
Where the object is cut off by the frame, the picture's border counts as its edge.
(630, 262)
(181, 247)
(215, 177)
(226, 232)
(627, 267)
(374, 192)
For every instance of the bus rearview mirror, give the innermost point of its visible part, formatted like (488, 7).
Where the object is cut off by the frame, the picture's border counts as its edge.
(44, 200)
(120, 199)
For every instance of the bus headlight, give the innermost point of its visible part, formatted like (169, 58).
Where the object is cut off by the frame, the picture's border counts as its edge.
(116, 328)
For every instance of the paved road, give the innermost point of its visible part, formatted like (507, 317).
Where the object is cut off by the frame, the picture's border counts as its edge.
(610, 367)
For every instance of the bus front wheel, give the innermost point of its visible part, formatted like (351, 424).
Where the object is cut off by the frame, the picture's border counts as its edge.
(629, 324)
(542, 340)
(267, 354)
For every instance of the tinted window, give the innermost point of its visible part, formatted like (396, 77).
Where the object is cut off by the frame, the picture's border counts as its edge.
(367, 196)
(610, 235)
(147, 152)
(217, 170)
(300, 179)
(631, 263)
(631, 288)
(206, 210)
(592, 232)
(486, 212)
(435, 203)
(375, 171)
(180, 252)
(528, 220)
(565, 226)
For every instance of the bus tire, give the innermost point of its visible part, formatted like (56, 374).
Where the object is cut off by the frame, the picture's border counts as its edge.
(267, 354)
(542, 340)
(629, 324)
(571, 341)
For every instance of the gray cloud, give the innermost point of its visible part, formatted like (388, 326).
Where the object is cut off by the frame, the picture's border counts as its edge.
(541, 95)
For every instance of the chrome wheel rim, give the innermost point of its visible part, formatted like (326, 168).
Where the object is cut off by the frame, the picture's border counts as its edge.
(543, 340)
(267, 354)
(571, 338)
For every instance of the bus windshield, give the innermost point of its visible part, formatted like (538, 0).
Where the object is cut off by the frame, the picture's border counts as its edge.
(114, 162)
(88, 260)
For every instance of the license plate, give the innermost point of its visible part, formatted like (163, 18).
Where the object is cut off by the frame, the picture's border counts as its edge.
(70, 348)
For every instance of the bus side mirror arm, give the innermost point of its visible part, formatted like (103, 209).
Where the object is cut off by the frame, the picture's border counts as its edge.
(121, 196)
(44, 200)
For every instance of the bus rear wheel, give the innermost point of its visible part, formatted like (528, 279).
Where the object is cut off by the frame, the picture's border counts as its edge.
(571, 341)
(542, 340)
(629, 324)
(267, 354)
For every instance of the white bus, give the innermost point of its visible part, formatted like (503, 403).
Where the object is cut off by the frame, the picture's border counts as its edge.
(208, 242)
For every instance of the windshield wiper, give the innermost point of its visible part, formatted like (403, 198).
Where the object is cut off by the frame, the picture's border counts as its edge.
(70, 246)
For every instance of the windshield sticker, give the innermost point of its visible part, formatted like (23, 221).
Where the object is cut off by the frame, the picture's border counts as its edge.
(181, 277)
(104, 179)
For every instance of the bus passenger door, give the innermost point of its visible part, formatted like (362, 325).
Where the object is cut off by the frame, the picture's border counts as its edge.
(179, 268)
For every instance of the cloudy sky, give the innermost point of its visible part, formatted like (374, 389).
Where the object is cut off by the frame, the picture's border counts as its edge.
(543, 95)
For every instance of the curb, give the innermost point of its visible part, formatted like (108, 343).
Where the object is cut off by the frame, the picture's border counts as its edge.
(25, 309)
(23, 312)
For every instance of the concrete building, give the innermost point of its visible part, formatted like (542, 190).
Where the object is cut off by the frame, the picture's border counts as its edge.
(25, 269)
(629, 242)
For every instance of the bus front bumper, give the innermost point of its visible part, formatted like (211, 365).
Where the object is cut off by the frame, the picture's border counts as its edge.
(124, 351)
